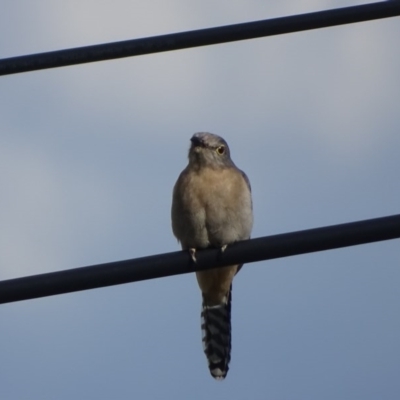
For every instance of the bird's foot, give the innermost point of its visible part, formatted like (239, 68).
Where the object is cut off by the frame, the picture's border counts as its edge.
(223, 248)
(192, 252)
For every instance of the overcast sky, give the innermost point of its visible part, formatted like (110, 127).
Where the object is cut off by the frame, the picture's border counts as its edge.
(88, 158)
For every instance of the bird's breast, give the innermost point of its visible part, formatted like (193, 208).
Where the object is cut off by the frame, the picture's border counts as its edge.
(213, 207)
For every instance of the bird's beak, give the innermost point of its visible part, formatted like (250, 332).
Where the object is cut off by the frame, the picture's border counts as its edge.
(196, 142)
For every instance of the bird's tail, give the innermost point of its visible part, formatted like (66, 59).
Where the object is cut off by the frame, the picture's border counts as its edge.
(216, 331)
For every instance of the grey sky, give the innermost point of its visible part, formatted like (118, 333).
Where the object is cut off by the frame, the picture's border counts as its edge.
(88, 158)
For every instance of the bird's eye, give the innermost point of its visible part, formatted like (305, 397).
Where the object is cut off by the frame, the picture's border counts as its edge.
(220, 150)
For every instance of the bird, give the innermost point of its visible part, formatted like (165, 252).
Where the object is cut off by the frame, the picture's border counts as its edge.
(212, 208)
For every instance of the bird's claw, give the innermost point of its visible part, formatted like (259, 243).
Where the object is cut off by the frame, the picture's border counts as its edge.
(192, 252)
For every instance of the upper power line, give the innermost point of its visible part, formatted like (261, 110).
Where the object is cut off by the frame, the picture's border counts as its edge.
(202, 37)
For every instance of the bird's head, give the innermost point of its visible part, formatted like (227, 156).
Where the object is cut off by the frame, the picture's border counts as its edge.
(209, 150)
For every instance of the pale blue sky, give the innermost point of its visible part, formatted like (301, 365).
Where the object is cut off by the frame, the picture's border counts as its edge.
(88, 158)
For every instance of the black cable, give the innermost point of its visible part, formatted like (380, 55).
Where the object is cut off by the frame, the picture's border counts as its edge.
(202, 37)
(157, 266)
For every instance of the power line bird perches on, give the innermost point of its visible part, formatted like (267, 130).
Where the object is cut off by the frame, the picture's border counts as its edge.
(180, 262)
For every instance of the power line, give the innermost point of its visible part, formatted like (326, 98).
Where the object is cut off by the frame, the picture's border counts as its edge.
(162, 265)
(202, 37)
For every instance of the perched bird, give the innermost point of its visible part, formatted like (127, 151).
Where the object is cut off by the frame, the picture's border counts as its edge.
(212, 207)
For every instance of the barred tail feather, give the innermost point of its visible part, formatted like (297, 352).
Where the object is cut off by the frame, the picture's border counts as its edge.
(216, 332)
